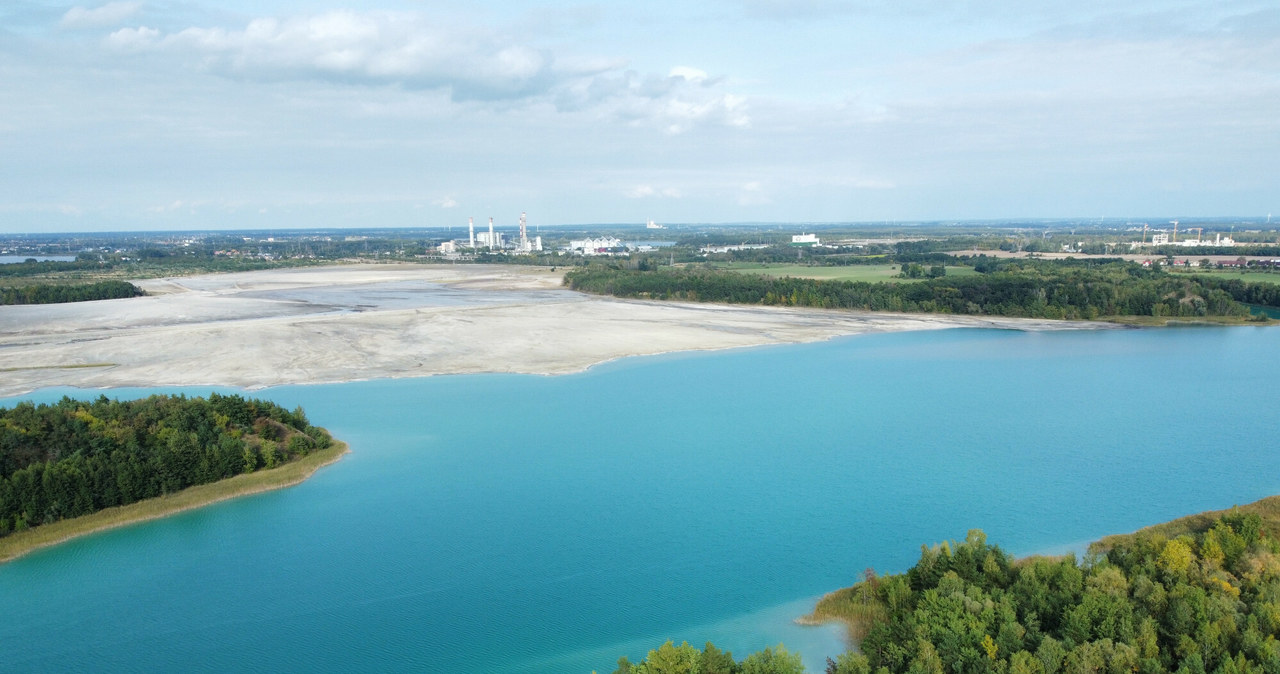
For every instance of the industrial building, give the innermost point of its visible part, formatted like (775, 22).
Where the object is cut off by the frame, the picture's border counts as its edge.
(493, 240)
(601, 246)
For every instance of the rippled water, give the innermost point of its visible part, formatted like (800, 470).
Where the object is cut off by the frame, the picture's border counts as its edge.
(506, 523)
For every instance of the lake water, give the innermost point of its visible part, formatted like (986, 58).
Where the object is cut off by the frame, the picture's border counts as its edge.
(505, 523)
(14, 259)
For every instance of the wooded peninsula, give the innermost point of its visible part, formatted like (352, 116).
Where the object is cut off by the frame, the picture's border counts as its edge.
(1056, 289)
(106, 462)
(1196, 595)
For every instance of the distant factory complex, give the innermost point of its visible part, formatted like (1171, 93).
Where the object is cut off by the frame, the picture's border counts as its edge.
(1163, 237)
(492, 241)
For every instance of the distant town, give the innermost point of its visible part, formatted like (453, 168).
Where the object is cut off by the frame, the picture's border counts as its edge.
(1220, 243)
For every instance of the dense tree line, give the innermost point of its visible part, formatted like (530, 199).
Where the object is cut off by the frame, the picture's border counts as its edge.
(1265, 294)
(55, 294)
(1037, 289)
(1197, 603)
(150, 262)
(1206, 602)
(34, 267)
(1187, 251)
(74, 457)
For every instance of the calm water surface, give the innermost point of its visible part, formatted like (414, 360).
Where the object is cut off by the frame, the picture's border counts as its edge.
(503, 523)
(15, 259)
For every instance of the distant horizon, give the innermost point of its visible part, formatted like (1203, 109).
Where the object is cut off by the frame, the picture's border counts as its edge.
(1157, 222)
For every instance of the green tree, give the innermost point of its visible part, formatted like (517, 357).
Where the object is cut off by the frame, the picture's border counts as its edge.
(773, 661)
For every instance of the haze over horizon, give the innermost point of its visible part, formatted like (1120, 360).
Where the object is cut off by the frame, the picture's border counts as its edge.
(162, 115)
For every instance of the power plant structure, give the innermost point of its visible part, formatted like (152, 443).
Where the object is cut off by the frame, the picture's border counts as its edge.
(493, 240)
(524, 234)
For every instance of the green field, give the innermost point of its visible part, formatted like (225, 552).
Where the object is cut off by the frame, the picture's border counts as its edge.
(870, 273)
(1246, 276)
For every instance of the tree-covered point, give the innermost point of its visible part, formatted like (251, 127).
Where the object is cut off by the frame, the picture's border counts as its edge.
(1201, 602)
(686, 659)
(1070, 289)
(55, 294)
(1204, 601)
(73, 457)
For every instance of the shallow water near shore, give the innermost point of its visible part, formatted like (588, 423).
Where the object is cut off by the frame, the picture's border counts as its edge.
(509, 523)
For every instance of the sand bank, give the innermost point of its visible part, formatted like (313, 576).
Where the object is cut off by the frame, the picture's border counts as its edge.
(342, 323)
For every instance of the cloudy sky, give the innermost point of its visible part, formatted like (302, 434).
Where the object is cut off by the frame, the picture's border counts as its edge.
(196, 114)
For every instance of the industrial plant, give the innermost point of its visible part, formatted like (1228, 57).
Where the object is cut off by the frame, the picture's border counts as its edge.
(492, 241)
(1163, 237)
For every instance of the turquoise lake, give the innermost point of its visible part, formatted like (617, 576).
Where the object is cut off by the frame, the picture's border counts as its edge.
(509, 523)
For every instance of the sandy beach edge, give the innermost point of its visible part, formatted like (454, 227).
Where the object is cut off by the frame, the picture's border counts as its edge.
(571, 362)
(198, 496)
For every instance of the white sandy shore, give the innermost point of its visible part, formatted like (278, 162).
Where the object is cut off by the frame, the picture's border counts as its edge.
(343, 323)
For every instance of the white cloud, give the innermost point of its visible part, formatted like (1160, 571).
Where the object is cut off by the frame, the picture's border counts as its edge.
(640, 192)
(645, 191)
(411, 51)
(109, 14)
(674, 104)
(688, 74)
(446, 202)
(133, 39)
(370, 48)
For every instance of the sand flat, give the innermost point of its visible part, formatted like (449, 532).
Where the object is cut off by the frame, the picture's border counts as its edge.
(350, 322)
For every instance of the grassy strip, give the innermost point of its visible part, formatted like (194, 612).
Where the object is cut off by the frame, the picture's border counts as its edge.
(1268, 509)
(858, 608)
(20, 543)
(1175, 321)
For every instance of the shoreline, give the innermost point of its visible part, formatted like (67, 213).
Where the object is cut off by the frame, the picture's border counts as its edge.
(861, 614)
(291, 474)
(334, 324)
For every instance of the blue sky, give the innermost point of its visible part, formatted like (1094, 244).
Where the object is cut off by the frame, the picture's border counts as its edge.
(193, 114)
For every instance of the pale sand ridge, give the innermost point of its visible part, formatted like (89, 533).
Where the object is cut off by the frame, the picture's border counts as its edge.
(343, 323)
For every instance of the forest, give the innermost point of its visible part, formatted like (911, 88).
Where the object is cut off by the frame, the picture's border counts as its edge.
(1204, 602)
(1065, 289)
(72, 458)
(686, 659)
(58, 293)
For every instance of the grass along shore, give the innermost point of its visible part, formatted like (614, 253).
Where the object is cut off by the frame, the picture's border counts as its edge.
(857, 609)
(20, 543)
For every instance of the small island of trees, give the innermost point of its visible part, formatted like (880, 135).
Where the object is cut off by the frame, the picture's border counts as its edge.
(74, 458)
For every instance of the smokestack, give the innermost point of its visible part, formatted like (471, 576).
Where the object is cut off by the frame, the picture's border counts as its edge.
(524, 239)
(491, 241)
(471, 232)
